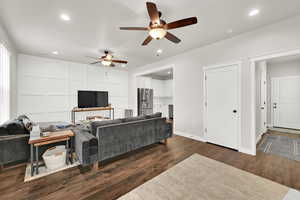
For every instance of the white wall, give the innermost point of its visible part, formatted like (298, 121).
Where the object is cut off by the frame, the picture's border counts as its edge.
(6, 40)
(47, 88)
(188, 74)
(290, 68)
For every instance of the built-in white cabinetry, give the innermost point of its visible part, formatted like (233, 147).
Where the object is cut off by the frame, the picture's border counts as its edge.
(144, 82)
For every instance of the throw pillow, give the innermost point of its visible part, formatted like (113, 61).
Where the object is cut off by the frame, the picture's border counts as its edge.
(26, 122)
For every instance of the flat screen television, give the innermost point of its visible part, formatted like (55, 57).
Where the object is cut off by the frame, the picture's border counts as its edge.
(90, 99)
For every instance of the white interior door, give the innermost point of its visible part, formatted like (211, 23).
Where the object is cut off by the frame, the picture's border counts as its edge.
(222, 106)
(286, 102)
(263, 99)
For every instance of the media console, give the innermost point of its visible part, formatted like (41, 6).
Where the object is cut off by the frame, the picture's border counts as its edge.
(110, 109)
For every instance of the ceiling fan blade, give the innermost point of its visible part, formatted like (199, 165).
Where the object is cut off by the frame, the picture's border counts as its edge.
(172, 38)
(112, 65)
(148, 39)
(134, 28)
(153, 12)
(119, 61)
(182, 23)
(93, 63)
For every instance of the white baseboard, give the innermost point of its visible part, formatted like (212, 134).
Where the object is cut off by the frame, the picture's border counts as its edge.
(202, 139)
(269, 126)
(247, 151)
(187, 135)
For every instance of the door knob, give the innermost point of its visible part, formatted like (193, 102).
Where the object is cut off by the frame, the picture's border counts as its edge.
(234, 111)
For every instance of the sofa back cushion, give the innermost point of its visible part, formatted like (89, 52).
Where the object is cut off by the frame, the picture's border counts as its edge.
(131, 119)
(96, 124)
(3, 131)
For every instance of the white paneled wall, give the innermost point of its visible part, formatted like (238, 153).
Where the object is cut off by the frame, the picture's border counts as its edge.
(47, 88)
(162, 90)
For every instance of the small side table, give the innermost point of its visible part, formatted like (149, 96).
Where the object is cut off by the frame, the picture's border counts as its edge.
(54, 137)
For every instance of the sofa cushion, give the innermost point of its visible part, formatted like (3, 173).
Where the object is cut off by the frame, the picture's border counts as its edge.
(131, 119)
(3, 131)
(96, 124)
(155, 115)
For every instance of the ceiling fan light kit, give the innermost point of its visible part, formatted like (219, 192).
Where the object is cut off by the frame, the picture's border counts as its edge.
(157, 33)
(107, 60)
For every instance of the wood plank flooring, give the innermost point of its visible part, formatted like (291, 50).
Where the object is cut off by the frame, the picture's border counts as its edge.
(116, 178)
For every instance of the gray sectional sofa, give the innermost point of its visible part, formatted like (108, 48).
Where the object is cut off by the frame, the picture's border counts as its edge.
(117, 137)
(101, 141)
(14, 141)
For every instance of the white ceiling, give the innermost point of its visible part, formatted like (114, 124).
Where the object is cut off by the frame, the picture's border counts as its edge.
(36, 28)
(166, 74)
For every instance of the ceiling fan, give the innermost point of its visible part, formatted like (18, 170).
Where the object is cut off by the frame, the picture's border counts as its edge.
(158, 28)
(107, 60)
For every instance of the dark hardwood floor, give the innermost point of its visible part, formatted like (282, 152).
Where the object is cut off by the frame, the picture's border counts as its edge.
(116, 178)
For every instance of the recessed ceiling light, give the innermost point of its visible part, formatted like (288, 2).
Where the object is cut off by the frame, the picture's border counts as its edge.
(65, 17)
(159, 51)
(254, 12)
(169, 72)
(55, 52)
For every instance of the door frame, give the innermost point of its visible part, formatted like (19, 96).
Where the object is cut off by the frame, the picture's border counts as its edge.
(239, 108)
(253, 65)
(264, 118)
(262, 86)
(272, 94)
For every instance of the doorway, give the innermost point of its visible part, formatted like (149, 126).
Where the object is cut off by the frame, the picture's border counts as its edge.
(161, 85)
(278, 131)
(222, 105)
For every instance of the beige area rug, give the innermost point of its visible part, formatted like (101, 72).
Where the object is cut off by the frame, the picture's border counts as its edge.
(43, 171)
(201, 178)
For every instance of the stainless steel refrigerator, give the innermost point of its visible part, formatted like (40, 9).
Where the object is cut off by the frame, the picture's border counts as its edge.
(145, 101)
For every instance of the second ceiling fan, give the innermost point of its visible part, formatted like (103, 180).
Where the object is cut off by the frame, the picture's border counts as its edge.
(158, 28)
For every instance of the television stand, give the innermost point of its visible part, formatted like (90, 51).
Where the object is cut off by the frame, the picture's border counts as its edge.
(109, 108)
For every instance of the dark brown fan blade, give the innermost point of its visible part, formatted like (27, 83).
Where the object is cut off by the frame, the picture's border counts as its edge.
(182, 23)
(172, 38)
(148, 39)
(153, 12)
(95, 62)
(134, 28)
(120, 61)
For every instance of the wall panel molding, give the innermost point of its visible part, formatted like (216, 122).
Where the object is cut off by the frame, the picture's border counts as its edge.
(47, 88)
